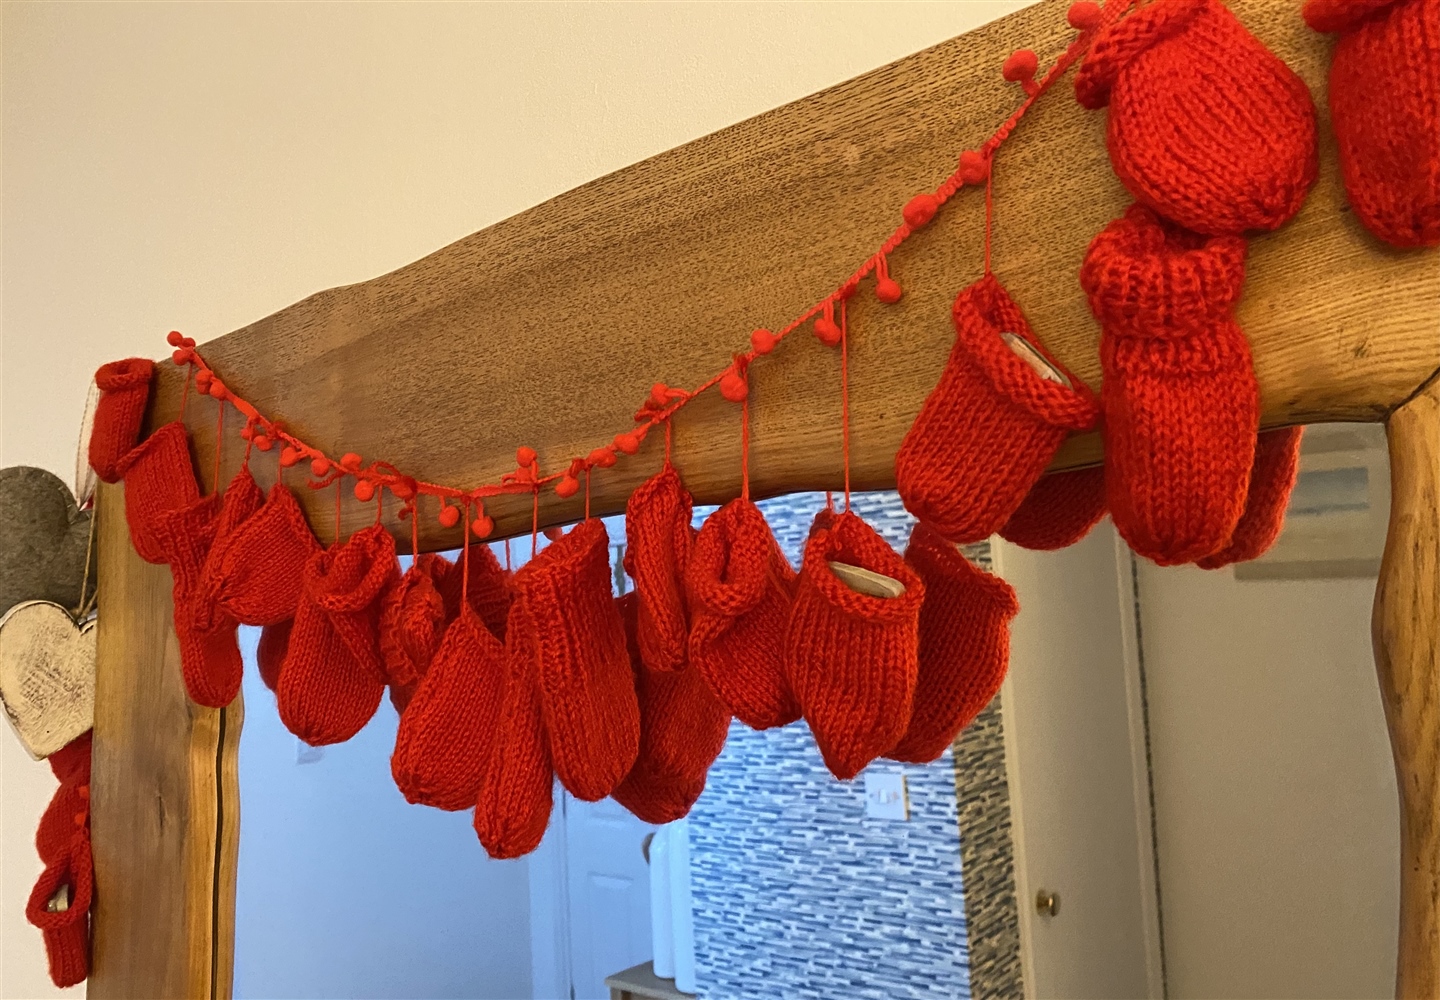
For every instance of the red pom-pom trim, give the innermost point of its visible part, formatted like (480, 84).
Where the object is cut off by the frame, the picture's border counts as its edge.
(1020, 65)
(449, 516)
(763, 341)
(920, 209)
(888, 290)
(733, 387)
(973, 168)
(568, 486)
(1083, 16)
(364, 491)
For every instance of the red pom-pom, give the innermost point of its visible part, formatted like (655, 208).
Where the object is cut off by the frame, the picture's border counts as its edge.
(525, 455)
(202, 380)
(568, 486)
(888, 290)
(733, 387)
(350, 462)
(603, 457)
(175, 339)
(763, 341)
(628, 442)
(482, 526)
(827, 331)
(1084, 15)
(180, 356)
(217, 389)
(972, 167)
(263, 442)
(247, 433)
(449, 516)
(1021, 65)
(319, 466)
(920, 209)
(364, 491)
(289, 456)
(659, 395)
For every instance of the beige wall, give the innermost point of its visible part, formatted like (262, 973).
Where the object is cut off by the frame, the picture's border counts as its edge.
(198, 166)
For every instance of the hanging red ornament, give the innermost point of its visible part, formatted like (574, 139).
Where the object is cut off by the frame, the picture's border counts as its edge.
(568, 486)
(763, 341)
(364, 490)
(628, 442)
(1020, 66)
(1083, 16)
(733, 386)
(217, 388)
(603, 457)
(289, 456)
(263, 442)
(319, 467)
(482, 525)
(174, 338)
(525, 455)
(887, 290)
(449, 516)
(350, 462)
(973, 167)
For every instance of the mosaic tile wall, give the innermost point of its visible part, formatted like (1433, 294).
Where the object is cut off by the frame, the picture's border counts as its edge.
(799, 894)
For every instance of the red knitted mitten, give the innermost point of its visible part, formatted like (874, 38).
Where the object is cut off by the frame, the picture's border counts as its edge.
(964, 645)
(682, 730)
(124, 393)
(512, 808)
(1059, 510)
(158, 478)
(256, 575)
(445, 734)
(570, 628)
(850, 656)
(270, 652)
(1207, 126)
(740, 592)
(1181, 402)
(991, 426)
(333, 676)
(63, 843)
(658, 540)
(489, 589)
(1277, 458)
(1385, 108)
(412, 623)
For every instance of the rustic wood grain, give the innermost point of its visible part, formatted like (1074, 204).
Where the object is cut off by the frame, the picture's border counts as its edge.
(547, 329)
(1406, 633)
(156, 809)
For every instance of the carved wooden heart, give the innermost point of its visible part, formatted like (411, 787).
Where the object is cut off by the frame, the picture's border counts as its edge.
(43, 539)
(47, 675)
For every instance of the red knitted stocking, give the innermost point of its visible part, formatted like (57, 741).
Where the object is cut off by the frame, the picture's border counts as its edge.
(964, 645)
(658, 540)
(1385, 107)
(256, 576)
(991, 426)
(333, 677)
(445, 734)
(1206, 126)
(412, 623)
(850, 656)
(570, 627)
(741, 589)
(682, 730)
(1181, 403)
(124, 393)
(158, 478)
(63, 843)
(489, 589)
(512, 808)
(270, 652)
(1059, 510)
(1277, 457)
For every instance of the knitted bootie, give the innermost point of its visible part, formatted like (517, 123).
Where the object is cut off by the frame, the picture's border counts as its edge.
(964, 645)
(658, 540)
(992, 424)
(1385, 109)
(270, 652)
(1207, 126)
(63, 843)
(489, 589)
(682, 730)
(445, 733)
(1277, 458)
(570, 628)
(159, 477)
(1181, 402)
(512, 807)
(1059, 510)
(740, 592)
(255, 575)
(850, 655)
(412, 624)
(333, 676)
(120, 413)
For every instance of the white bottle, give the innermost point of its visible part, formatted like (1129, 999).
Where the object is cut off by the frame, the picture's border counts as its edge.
(682, 906)
(661, 925)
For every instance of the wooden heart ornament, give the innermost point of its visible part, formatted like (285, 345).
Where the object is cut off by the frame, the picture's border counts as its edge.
(43, 539)
(47, 675)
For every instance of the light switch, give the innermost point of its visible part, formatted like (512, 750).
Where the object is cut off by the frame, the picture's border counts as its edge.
(886, 796)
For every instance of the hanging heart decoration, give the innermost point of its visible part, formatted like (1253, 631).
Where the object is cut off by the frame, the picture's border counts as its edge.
(47, 675)
(43, 539)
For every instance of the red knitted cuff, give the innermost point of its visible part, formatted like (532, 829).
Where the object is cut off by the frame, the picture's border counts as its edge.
(1206, 125)
(682, 730)
(489, 588)
(1385, 109)
(1181, 402)
(740, 591)
(445, 733)
(572, 631)
(992, 424)
(1277, 458)
(850, 656)
(1059, 510)
(412, 624)
(66, 932)
(270, 652)
(255, 574)
(512, 808)
(333, 676)
(964, 645)
(158, 478)
(658, 539)
(120, 413)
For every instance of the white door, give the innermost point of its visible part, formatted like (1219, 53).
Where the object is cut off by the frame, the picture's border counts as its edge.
(609, 893)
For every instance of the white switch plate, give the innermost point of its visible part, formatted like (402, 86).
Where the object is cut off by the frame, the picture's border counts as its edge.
(886, 796)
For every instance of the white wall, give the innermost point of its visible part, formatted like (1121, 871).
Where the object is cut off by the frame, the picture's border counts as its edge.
(198, 166)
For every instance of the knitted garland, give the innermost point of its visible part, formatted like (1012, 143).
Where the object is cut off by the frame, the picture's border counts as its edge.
(63, 843)
(250, 574)
(658, 538)
(1059, 510)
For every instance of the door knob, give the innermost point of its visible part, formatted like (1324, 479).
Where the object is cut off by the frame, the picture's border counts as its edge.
(1047, 903)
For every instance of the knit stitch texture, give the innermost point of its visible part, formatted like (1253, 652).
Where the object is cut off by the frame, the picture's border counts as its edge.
(253, 573)
(658, 539)
(1059, 510)
(159, 477)
(412, 624)
(119, 414)
(1277, 458)
(63, 843)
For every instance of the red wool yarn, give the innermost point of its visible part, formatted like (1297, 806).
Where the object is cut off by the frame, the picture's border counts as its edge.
(412, 624)
(270, 652)
(333, 675)
(850, 657)
(990, 427)
(570, 628)
(658, 539)
(488, 591)
(1181, 402)
(445, 733)
(159, 477)
(1059, 510)
(63, 843)
(512, 807)
(1206, 125)
(964, 645)
(1272, 478)
(1385, 109)
(119, 414)
(740, 592)
(258, 574)
(682, 730)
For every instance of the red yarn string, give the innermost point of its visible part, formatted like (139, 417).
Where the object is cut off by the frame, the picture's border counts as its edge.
(415, 529)
(507, 555)
(989, 211)
(337, 510)
(667, 443)
(587, 486)
(219, 440)
(249, 443)
(465, 568)
(845, 397)
(185, 393)
(379, 505)
(745, 447)
(535, 524)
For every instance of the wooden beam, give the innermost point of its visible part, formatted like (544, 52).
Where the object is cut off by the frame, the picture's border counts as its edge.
(164, 799)
(1406, 633)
